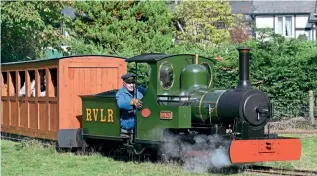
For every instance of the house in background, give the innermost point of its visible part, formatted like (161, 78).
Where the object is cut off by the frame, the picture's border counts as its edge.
(288, 18)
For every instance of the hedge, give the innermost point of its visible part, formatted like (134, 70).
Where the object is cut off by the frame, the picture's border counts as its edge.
(285, 69)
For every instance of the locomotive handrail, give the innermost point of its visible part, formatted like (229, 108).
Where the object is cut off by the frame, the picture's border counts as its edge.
(177, 99)
(185, 96)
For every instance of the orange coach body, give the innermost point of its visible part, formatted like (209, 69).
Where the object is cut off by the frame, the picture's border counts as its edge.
(60, 108)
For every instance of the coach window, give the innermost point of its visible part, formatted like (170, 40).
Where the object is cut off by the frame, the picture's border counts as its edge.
(12, 83)
(31, 87)
(166, 75)
(42, 83)
(52, 82)
(21, 79)
(4, 83)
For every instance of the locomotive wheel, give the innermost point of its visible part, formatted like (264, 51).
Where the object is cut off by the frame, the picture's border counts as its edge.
(162, 157)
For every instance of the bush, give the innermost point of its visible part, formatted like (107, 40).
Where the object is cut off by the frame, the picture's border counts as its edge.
(284, 69)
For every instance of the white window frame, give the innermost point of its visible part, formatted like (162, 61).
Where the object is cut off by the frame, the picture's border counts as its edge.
(283, 30)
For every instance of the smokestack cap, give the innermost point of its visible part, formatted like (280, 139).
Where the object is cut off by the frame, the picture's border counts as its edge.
(244, 49)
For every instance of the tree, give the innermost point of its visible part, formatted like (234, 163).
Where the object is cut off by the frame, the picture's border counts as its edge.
(125, 28)
(28, 27)
(241, 31)
(204, 21)
(120, 28)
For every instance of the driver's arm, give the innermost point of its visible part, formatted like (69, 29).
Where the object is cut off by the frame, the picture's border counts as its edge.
(123, 101)
(142, 89)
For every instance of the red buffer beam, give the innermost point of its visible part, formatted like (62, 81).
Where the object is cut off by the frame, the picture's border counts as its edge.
(264, 150)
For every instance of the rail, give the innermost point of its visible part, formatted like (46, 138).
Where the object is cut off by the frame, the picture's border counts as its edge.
(279, 171)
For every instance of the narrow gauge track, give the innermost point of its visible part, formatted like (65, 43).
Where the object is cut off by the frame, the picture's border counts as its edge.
(279, 171)
(294, 131)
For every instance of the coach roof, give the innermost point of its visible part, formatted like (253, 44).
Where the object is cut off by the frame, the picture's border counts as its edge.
(57, 58)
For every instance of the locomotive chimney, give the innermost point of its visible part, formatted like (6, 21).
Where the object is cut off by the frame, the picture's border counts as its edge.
(244, 81)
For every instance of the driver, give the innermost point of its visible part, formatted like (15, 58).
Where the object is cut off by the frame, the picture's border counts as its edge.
(128, 103)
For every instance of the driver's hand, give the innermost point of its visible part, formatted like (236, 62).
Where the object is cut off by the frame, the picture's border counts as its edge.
(137, 103)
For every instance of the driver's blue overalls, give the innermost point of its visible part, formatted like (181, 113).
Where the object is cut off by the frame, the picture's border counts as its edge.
(127, 111)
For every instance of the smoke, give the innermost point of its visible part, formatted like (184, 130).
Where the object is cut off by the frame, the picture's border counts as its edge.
(202, 154)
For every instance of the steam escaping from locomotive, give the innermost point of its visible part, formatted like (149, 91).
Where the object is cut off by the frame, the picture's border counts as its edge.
(205, 154)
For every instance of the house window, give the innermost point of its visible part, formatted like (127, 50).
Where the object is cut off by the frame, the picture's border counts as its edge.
(279, 25)
(284, 25)
(288, 26)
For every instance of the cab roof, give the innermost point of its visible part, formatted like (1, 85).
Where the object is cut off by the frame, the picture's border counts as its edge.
(147, 57)
(153, 57)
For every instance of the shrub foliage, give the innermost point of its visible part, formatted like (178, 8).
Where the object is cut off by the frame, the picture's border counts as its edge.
(204, 22)
(28, 27)
(121, 28)
(285, 69)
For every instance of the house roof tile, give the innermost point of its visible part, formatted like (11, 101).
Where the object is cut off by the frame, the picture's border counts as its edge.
(273, 7)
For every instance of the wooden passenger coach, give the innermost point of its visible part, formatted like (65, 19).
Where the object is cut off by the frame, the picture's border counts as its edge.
(53, 102)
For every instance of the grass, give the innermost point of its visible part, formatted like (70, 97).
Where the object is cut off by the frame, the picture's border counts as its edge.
(32, 158)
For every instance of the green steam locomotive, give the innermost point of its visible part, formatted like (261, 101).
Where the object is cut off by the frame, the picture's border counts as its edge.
(181, 102)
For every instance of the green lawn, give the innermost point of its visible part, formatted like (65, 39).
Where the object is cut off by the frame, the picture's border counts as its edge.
(34, 159)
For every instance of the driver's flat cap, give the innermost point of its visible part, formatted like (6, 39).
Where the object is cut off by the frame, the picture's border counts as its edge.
(129, 78)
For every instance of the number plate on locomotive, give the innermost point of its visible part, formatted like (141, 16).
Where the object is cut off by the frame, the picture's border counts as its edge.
(166, 115)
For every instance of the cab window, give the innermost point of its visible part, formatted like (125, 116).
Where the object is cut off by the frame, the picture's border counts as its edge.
(166, 75)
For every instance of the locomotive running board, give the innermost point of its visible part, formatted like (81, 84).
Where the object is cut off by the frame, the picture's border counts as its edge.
(264, 150)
